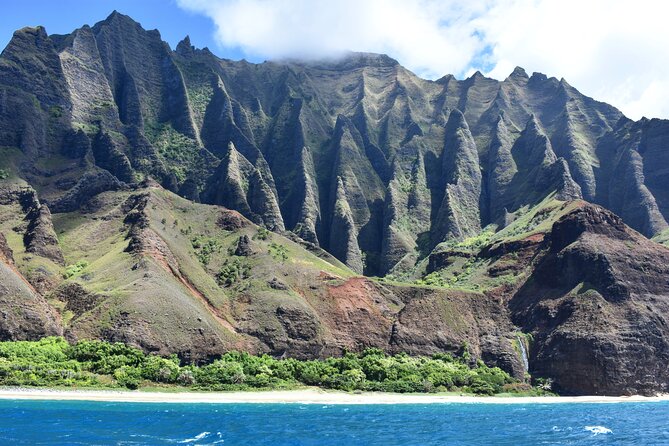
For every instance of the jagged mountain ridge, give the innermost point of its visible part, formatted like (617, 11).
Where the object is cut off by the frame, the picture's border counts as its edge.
(277, 140)
(468, 189)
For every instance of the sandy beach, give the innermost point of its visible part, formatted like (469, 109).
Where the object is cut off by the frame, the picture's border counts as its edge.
(302, 396)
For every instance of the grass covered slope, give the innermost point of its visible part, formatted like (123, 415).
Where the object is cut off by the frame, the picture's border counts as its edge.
(54, 362)
(148, 268)
(499, 257)
(161, 272)
(589, 293)
(152, 270)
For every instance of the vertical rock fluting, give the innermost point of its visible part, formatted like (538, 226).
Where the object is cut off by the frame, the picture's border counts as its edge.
(406, 216)
(92, 98)
(459, 215)
(308, 224)
(343, 232)
(239, 185)
(364, 190)
(630, 198)
(34, 108)
(501, 170)
(170, 115)
(540, 171)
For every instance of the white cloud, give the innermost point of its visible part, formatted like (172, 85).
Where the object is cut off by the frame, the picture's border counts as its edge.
(614, 50)
(412, 31)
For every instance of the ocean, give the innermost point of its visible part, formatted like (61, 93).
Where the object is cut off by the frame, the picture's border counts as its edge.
(24, 422)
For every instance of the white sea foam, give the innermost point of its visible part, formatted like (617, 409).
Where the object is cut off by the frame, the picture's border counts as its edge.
(596, 430)
(199, 436)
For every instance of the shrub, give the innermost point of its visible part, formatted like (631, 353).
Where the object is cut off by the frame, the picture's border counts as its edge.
(233, 270)
(73, 270)
(128, 377)
(186, 378)
(278, 252)
(204, 248)
(262, 234)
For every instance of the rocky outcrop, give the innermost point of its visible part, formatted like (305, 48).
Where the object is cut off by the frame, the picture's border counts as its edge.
(244, 247)
(90, 185)
(76, 298)
(24, 314)
(40, 237)
(239, 185)
(597, 313)
(5, 251)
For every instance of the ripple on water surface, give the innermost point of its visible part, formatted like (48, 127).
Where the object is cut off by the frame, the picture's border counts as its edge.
(72, 423)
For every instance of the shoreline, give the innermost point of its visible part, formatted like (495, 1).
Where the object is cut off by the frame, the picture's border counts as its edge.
(301, 396)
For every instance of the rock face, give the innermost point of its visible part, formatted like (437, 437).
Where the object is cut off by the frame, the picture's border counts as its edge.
(459, 215)
(597, 311)
(358, 166)
(239, 185)
(421, 161)
(24, 314)
(40, 237)
(344, 235)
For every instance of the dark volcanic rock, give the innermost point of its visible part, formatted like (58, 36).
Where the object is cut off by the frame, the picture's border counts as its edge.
(76, 298)
(276, 284)
(40, 237)
(5, 250)
(244, 248)
(87, 187)
(597, 313)
(231, 221)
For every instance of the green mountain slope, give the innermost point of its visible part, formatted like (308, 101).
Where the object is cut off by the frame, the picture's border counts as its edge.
(188, 204)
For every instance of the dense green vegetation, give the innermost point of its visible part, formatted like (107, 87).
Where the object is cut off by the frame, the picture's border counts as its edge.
(54, 362)
(73, 270)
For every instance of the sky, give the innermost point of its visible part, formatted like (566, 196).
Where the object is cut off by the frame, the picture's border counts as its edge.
(616, 51)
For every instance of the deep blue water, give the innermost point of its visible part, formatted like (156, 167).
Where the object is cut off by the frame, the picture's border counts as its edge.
(72, 423)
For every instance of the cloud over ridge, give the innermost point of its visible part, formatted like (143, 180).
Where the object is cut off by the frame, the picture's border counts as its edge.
(613, 50)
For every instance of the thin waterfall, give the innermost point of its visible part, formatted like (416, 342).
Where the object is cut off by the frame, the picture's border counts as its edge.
(523, 352)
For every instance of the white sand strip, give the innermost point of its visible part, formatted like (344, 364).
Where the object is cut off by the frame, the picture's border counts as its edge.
(304, 396)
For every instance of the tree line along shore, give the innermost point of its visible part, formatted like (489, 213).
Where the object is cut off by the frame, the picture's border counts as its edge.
(53, 362)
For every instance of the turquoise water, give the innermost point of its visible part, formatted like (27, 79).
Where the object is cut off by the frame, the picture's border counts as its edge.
(76, 423)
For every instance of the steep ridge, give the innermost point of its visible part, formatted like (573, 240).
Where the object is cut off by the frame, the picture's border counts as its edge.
(24, 313)
(465, 191)
(588, 294)
(151, 269)
(595, 310)
(146, 110)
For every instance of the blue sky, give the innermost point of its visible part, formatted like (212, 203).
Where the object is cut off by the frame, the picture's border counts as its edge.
(612, 50)
(64, 16)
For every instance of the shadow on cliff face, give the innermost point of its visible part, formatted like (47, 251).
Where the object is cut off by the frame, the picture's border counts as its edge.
(598, 314)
